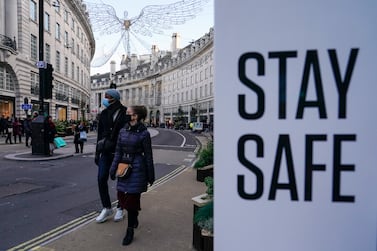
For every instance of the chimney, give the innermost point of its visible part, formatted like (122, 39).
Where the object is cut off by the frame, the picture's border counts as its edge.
(175, 42)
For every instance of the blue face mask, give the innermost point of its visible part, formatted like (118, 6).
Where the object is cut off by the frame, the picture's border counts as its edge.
(105, 102)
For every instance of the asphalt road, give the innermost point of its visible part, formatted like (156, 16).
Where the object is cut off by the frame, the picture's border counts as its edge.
(36, 197)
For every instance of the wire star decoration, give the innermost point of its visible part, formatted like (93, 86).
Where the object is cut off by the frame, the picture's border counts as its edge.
(153, 19)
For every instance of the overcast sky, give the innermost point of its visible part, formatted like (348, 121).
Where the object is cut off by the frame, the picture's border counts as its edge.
(189, 31)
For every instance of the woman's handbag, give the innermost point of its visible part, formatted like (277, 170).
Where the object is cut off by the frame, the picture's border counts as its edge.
(83, 136)
(59, 142)
(123, 170)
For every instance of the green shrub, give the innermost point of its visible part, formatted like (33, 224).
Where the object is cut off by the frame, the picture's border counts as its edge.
(208, 181)
(60, 126)
(204, 217)
(205, 156)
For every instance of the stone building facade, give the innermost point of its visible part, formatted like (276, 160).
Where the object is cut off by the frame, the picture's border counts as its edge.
(68, 46)
(175, 86)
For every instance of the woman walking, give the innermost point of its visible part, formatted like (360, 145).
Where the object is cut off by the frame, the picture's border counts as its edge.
(17, 131)
(80, 137)
(135, 148)
(51, 133)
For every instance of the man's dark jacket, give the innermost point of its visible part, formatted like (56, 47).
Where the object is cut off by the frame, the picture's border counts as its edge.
(108, 126)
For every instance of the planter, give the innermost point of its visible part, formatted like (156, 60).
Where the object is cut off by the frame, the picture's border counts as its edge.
(207, 240)
(203, 172)
(197, 238)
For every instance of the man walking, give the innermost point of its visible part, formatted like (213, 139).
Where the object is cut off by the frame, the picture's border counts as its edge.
(27, 130)
(111, 120)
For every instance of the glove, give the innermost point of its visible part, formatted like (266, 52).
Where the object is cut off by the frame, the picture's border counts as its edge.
(96, 158)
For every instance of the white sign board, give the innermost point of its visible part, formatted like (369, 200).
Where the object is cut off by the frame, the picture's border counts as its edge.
(295, 141)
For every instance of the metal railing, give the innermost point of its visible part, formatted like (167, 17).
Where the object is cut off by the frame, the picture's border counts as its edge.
(8, 42)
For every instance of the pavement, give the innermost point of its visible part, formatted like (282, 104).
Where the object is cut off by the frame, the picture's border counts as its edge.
(165, 221)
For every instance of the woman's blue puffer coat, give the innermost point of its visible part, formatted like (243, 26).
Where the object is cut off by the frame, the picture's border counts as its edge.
(134, 146)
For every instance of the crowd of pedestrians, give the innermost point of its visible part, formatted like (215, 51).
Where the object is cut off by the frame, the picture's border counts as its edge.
(14, 129)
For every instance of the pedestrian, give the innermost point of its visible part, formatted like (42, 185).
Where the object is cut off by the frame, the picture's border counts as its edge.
(133, 147)
(17, 132)
(3, 125)
(111, 120)
(51, 133)
(28, 130)
(8, 132)
(80, 137)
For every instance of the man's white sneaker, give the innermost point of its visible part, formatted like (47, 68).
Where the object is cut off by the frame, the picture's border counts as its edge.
(102, 217)
(118, 214)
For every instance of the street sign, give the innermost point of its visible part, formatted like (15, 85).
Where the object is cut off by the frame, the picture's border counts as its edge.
(26, 106)
(41, 64)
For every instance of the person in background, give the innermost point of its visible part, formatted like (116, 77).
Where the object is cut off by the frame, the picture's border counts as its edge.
(28, 130)
(8, 132)
(51, 133)
(111, 120)
(77, 140)
(17, 130)
(134, 147)
(3, 125)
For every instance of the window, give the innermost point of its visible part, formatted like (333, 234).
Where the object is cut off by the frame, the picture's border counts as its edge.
(66, 39)
(2, 77)
(47, 22)
(33, 10)
(73, 71)
(57, 31)
(66, 13)
(34, 83)
(73, 24)
(33, 48)
(77, 73)
(48, 53)
(66, 66)
(73, 46)
(57, 63)
(9, 81)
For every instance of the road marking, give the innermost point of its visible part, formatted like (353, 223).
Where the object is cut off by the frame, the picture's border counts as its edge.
(55, 233)
(44, 239)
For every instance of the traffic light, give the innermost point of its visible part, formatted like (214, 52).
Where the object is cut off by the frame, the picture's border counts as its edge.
(47, 90)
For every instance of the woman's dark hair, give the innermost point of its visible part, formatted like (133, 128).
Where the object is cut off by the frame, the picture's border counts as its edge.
(140, 110)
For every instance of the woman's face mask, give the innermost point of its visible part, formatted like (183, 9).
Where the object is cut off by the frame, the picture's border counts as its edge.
(106, 102)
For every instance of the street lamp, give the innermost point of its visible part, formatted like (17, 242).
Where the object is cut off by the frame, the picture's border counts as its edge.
(40, 144)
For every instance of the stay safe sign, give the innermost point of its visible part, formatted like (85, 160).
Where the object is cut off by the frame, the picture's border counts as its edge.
(295, 125)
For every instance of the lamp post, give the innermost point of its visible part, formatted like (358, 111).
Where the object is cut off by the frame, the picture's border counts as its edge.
(40, 144)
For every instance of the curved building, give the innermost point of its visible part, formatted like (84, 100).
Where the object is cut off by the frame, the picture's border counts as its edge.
(68, 46)
(176, 86)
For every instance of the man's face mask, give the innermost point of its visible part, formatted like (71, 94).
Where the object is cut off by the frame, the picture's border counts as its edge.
(106, 102)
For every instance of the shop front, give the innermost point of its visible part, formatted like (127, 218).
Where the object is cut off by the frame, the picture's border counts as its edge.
(7, 106)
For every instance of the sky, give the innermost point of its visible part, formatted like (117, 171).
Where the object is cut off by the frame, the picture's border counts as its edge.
(189, 31)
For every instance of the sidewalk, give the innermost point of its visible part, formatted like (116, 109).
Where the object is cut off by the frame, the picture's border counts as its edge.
(165, 221)
(24, 154)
